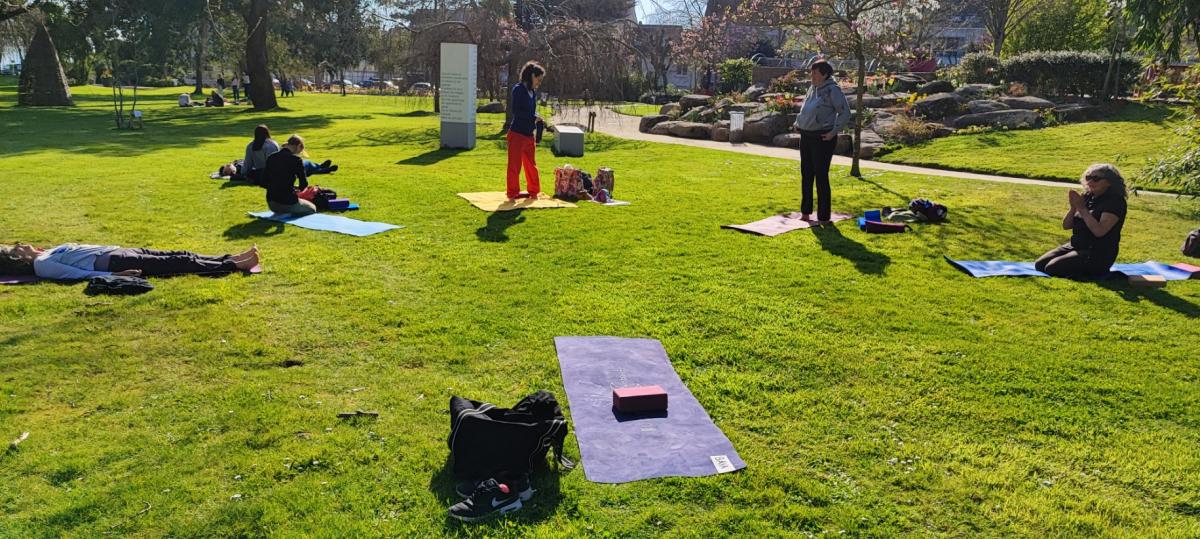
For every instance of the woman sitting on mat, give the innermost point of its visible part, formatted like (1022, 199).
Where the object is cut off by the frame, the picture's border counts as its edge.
(521, 143)
(257, 153)
(283, 169)
(1095, 220)
(71, 261)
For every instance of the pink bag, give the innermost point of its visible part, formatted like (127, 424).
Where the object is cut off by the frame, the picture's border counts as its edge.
(568, 183)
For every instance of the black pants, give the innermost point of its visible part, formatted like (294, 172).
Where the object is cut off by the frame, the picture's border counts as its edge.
(1072, 263)
(157, 263)
(815, 156)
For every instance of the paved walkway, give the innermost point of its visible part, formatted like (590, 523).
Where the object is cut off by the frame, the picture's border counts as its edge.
(625, 126)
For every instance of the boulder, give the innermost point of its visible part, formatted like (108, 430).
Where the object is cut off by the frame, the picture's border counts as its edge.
(754, 92)
(1076, 112)
(894, 98)
(691, 130)
(490, 108)
(975, 91)
(869, 101)
(938, 106)
(720, 134)
(689, 102)
(1011, 119)
(708, 115)
(761, 127)
(663, 128)
(748, 108)
(669, 108)
(649, 122)
(723, 104)
(786, 140)
(939, 130)
(871, 143)
(769, 97)
(935, 87)
(906, 83)
(1027, 102)
(985, 105)
(883, 122)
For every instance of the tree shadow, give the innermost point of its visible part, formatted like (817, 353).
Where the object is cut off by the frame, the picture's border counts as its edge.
(1156, 296)
(547, 496)
(867, 180)
(432, 157)
(498, 223)
(254, 229)
(864, 260)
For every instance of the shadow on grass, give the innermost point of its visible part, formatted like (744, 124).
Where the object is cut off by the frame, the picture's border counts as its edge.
(498, 223)
(1158, 297)
(867, 180)
(432, 157)
(864, 260)
(254, 229)
(546, 498)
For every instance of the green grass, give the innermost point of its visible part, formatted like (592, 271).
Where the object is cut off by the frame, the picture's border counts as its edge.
(636, 109)
(1127, 138)
(873, 390)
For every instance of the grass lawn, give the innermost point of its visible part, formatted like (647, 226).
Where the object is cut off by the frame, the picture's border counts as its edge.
(872, 389)
(636, 109)
(1127, 139)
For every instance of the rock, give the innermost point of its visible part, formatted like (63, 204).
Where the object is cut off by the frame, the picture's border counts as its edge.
(669, 108)
(651, 98)
(720, 134)
(975, 91)
(935, 87)
(708, 115)
(689, 102)
(1028, 102)
(761, 127)
(870, 101)
(769, 97)
(985, 105)
(648, 122)
(748, 108)
(691, 130)
(883, 122)
(490, 108)
(938, 106)
(940, 130)
(871, 143)
(754, 92)
(1012, 119)
(906, 83)
(894, 98)
(723, 104)
(663, 128)
(786, 140)
(1076, 112)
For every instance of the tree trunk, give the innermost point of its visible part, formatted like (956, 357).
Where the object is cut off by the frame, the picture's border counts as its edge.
(200, 57)
(342, 74)
(860, 84)
(43, 83)
(260, 91)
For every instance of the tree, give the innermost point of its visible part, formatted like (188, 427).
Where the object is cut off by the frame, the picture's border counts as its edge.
(656, 46)
(716, 38)
(43, 82)
(854, 27)
(1001, 17)
(261, 90)
(1060, 25)
(1163, 25)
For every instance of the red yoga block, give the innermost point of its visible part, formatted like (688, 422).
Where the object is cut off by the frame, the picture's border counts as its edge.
(639, 399)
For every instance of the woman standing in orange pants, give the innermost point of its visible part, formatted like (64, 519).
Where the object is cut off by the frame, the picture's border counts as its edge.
(521, 144)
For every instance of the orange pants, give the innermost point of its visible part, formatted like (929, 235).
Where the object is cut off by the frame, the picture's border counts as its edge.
(520, 153)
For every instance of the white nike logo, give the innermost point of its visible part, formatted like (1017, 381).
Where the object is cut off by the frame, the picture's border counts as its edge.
(497, 503)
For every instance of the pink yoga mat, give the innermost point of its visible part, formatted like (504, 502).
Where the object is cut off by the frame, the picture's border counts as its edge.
(1194, 270)
(779, 224)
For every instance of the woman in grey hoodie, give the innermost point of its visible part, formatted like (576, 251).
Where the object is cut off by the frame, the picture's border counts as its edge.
(824, 114)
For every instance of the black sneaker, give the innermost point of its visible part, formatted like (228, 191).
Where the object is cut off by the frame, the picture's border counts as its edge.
(520, 484)
(490, 498)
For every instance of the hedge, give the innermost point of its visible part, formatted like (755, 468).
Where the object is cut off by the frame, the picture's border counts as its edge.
(1057, 73)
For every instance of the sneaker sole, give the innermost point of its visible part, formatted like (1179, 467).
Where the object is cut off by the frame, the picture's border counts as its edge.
(514, 506)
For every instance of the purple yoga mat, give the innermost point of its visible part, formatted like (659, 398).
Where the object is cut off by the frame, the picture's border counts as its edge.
(614, 448)
(17, 279)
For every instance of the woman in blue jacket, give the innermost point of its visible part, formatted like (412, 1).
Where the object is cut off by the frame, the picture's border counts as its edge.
(521, 144)
(824, 114)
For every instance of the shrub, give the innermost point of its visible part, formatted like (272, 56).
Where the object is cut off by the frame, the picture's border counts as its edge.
(795, 82)
(980, 67)
(736, 74)
(1180, 164)
(1069, 72)
(909, 130)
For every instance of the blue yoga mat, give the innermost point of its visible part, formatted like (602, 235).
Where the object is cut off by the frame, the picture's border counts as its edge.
(614, 448)
(996, 268)
(329, 223)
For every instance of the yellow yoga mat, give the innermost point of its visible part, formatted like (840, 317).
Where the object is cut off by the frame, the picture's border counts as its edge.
(498, 201)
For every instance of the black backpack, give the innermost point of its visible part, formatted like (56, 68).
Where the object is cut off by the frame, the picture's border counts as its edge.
(486, 441)
(1191, 245)
(322, 198)
(118, 285)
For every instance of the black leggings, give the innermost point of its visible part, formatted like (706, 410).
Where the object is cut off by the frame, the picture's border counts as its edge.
(158, 263)
(815, 157)
(1066, 261)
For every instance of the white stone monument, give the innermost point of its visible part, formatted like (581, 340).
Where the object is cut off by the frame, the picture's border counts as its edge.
(457, 91)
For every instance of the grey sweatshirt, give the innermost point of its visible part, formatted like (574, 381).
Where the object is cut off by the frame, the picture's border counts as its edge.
(825, 109)
(71, 262)
(258, 160)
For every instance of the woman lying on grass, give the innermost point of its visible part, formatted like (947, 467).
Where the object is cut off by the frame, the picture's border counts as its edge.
(70, 262)
(1095, 220)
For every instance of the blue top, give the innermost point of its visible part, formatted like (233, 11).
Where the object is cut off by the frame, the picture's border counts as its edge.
(71, 262)
(524, 110)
